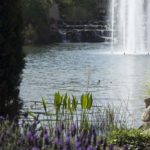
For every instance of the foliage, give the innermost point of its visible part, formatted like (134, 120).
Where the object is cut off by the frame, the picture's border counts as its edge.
(86, 101)
(35, 136)
(67, 131)
(36, 16)
(85, 112)
(38, 24)
(78, 10)
(135, 138)
(11, 57)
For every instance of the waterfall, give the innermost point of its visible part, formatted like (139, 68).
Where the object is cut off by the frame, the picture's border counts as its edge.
(130, 22)
(148, 27)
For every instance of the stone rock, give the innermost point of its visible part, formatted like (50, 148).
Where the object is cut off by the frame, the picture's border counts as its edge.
(146, 115)
(85, 31)
(147, 102)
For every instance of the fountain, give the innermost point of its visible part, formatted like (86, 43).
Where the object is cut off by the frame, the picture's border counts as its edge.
(130, 23)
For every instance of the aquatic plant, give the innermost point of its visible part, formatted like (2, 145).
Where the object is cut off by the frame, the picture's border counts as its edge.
(72, 126)
(85, 112)
(36, 136)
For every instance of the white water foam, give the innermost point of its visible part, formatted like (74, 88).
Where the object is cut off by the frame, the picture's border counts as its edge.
(130, 22)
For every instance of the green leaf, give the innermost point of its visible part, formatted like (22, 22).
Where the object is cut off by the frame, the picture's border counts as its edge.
(44, 103)
(90, 101)
(84, 100)
(74, 103)
(57, 100)
(69, 104)
(31, 114)
(65, 101)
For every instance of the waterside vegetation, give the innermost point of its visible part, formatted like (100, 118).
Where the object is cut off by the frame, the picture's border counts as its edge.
(41, 26)
(69, 124)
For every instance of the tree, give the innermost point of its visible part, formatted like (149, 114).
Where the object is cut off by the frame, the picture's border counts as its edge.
(11, 57)
(78, 9)
(36, 15)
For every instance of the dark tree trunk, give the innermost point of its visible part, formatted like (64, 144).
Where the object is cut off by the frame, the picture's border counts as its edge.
(11, 57)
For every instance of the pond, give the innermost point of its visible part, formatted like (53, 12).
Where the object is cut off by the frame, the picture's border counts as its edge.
(79, 67)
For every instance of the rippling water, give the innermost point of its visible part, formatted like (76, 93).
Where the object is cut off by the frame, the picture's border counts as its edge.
(76, 68)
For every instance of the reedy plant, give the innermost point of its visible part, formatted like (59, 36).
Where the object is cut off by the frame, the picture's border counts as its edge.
(86, 104)
(68, 109)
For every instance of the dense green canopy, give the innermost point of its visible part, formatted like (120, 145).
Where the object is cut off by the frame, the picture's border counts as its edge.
(38, 19)
(11, 56)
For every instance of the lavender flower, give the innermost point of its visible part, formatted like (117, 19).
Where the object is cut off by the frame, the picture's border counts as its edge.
(56, 141)
(62, 126)
(126, 147)
(35, 148)
(29, 135)
(2, 118)
(60, 142)
(25, 115)
(89, 148)
(94, 137)
(57, 132)
(111, 147)
(73, 130)
(68, 139)
(77, 143)
(46, 137)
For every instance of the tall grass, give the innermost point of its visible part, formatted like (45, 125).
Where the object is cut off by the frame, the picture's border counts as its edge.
(85, 112)
(70, 124)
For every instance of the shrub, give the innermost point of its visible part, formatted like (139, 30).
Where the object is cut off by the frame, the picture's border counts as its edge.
(35, 136)
(11, 57)
(135, 138)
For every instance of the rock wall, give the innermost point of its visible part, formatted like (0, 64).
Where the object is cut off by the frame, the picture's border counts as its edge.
(84, 31)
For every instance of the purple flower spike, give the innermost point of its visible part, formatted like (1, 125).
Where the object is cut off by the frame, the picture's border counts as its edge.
(2, 118)
(89, 148)
(77, 143)
(29, 135)
(35, 136)
(45, 134)
(62, 126)
(35, 148)
(68, 143)
(68, 140)
(61, 142)
(101, 141)
(58, 132)
(73, 129)
(50, 142)
(94, 132)
(73, 126)
(126, 147)
(111, 147)
(46, 138)
(56, 141)
(25, 115)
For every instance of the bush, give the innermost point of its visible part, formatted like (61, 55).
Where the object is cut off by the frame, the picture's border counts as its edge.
(35, 136)
(11, 57)
(79, 10)
(135, 138)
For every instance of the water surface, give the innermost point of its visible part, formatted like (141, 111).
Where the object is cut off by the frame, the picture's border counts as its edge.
(77, 68)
